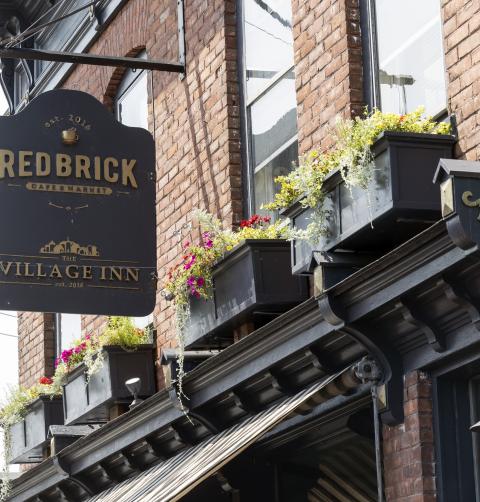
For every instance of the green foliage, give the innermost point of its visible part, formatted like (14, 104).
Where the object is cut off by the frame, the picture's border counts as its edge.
(122, 331)
(88, 350)
(352, 155)
(192, 275)
(15, 407)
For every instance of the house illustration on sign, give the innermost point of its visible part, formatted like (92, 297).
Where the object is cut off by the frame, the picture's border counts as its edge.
(69, 247)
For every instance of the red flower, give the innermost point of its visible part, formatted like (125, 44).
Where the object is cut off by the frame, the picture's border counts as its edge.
(45, 381)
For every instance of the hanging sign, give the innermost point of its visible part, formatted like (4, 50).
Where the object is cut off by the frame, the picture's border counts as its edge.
(460, 197)
(77, 202)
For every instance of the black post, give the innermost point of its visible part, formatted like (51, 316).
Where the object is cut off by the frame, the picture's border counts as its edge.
(92, 59)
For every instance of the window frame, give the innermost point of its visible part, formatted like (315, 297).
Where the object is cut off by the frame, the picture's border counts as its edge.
(58, 332)
(371, 80)
(246, 148)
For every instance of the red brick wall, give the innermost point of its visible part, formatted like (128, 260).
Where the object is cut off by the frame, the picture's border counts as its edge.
(409, 457)
(328, 65)
(462, 60)
(36, 346)
(195, 121)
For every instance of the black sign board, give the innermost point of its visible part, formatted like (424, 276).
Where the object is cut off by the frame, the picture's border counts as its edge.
(77, 203)
(460, 195)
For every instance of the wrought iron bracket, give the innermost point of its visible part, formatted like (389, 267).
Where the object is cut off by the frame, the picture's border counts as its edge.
(387, 360)
(90, 59)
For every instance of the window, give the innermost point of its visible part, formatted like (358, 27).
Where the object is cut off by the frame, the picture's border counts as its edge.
(131, 109)
(406, 56)
(131, 103)
(68, 329)
(269, 96)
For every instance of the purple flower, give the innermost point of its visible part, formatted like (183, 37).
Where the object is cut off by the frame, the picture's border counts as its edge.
(188, 265)
(200, 282)
(191, 281)
(207, 241)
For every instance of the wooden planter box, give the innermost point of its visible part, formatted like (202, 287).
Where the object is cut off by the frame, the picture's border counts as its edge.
(255, 279)
(91, 402)
(30, 436)
(403, 200)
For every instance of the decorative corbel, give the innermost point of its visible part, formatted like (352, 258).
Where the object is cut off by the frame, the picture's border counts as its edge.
(414, 316)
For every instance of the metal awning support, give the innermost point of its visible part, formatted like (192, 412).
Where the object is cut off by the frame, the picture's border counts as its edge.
(9, 50)
(93, 59)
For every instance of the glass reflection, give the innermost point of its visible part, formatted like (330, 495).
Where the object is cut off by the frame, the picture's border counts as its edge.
(265, 186)
(273, 119)
(268, 41)
(410, 52)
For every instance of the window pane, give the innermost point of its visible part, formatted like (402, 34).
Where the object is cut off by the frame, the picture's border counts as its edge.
(273, 119)
(410, 53)
(143, 322)
(70, 329)
(268, 40)
(265, 186)
(132, 106)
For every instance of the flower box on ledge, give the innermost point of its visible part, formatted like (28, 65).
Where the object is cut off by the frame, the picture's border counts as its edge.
(91, 402)
(29, 437)
(252, 283)
(401, 200)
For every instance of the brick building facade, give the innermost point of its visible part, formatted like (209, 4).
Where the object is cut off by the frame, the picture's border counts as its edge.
(201, 135)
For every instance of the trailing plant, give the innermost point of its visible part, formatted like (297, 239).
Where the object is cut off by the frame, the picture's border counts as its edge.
(14, 409)
(352, 156)
(192, 275)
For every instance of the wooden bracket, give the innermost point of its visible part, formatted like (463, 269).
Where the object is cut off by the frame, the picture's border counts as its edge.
(415, 317)
(457, 294)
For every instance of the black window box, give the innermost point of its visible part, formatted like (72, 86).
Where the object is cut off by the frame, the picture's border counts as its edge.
(30, 436)
(403, 200)
(91, 402)
(253, 281)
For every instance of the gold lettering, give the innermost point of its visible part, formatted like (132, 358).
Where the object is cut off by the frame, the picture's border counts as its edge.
(64, 165)
(40, 272)
(127, 172)
(103, 273)
(98, 168)
(110, 161)
(115, 273)
(23, 163)
(132, 274)
(82, 167)
(5, 268)
(27, 270)
(72, 275)
(87, 272)
(6, 163)
(55, 273)
(18, 273)
(43, 164)
(466, 199)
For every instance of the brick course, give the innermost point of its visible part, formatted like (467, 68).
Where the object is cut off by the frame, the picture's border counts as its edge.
(195, 122)
(328, 67)
(197, 128)
(461, 31)
(408, 449)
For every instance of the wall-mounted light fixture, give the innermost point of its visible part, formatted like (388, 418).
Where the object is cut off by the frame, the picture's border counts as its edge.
(133, 385)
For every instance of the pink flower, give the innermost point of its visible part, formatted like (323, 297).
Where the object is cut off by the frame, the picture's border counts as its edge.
(188, 265)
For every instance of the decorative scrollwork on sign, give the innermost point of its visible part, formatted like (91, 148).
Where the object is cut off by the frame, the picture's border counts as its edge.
(466, 199)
